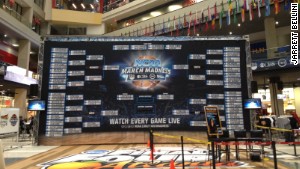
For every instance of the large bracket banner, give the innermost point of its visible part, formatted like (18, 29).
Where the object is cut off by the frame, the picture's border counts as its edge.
(122, 84)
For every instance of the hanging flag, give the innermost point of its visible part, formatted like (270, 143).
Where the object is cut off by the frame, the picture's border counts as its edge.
(221, 15)
(202, 21)
(267, 6)
(163, 26)
(276, 6)
(247, 5)
(184, 21)
(287, 5)
(206, 24)
(178, 26)
(195, 22)
(250, 12)
(169, 25)
(243, 11)
(208, 14)
(213, 22)
(234, 16)
(237, 6)
(258, 8)
(189, 26)
(229, 12)
(153, 32)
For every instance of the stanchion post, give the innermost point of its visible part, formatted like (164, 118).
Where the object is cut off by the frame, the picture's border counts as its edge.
(274, 155)
(213, 154)
(151, 146)
(2, 162)
(182, 152)
(295, 150)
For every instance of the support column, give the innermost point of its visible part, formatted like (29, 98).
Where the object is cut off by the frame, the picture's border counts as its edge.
(24, 54)
(297, 100)
(271, 36)
(276, 105)
(20, 101)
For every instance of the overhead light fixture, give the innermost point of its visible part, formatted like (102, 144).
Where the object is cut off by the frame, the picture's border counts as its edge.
(5, 35)
(298, 78)
(174, 7)
(82, 5)
(230, 33)
(155, 13)
(74, 6)
(92, 6)
(276, 22)
(238, 24)
(15, 45)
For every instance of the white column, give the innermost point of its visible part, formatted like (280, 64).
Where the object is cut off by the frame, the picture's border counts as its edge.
(24, 54)
(297, 99)
(20, 101)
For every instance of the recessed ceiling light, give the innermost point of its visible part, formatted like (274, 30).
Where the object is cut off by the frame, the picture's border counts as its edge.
(276, 22)
(74, 6)
(298, 78)
(5, 35)
(15, 45)
(92, 6)
(82, 5)
(238, 24)
(174, 7)
(155, 13)
(230, 33)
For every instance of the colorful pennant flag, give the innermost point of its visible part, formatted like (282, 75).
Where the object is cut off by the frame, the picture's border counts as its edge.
(250, 12)
(237, 6)
(267, 6)
(276, 6)
(243, 11)
(195, 22)
(258, 8)
(213, 22)
(229, 12)
(234, 16)
(206, 24)
(208, 14)
(221, 15)
(287, 5)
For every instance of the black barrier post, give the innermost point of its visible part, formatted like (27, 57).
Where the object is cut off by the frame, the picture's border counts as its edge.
(295, 151)
(182, 153)
(213, 154)
(274, 155)
(151, 146)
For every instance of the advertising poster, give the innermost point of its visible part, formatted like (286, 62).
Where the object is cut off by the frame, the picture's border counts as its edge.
(214, 125)
(137, 84)
(9, 120)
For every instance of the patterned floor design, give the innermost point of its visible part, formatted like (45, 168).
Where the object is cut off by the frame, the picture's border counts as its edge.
(133, 156)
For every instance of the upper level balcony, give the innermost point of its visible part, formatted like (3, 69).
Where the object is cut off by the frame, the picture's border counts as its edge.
(71, 17)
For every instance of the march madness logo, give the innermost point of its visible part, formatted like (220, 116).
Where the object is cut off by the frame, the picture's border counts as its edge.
(137, 158)
(146, 72)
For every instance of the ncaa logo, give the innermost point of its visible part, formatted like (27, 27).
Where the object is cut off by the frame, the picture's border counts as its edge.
(282, 62)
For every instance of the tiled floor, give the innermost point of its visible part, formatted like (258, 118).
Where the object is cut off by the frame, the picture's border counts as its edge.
(28, 157)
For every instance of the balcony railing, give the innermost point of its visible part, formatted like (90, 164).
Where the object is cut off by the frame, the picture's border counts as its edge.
(116, 4)
(8, 9)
